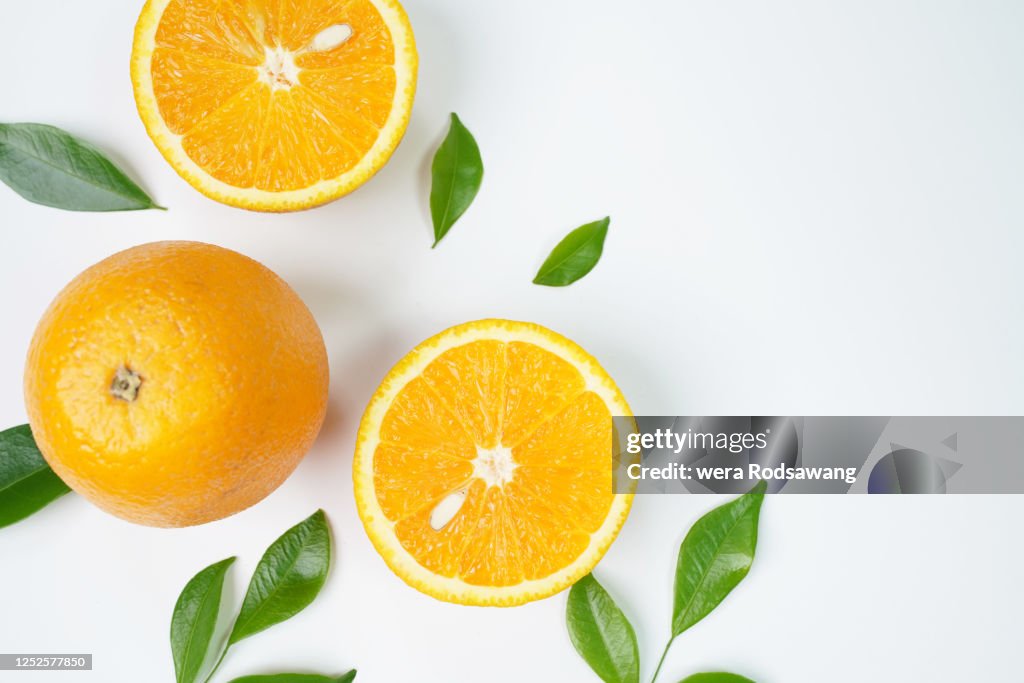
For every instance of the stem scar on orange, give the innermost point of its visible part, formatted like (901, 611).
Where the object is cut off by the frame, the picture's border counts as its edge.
(483, 465)
(274, 106)
(176, 383)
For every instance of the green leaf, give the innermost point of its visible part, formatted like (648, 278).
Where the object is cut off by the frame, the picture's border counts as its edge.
(601, 633)
(194, 620)
(49, 166)
(27, 484)
(297, 678)
(575, 256)
(714, 557)
(456, 175)
(287, 578)
(715, 677)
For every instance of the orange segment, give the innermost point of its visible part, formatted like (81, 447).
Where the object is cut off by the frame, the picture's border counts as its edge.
(228, 140)
(300, 20)
(359, 134)
(215, 81)
(286, 159)
(521, 504)
(420, 422)
(582, 496)
(360, 89)
(548, 540)
(335, 81)
(332, 153)
(409, 481)
(441, 550)
(539, 384)
(221, 30)
(571, 438)
(492, 556)
(372, 43)
(469, 380)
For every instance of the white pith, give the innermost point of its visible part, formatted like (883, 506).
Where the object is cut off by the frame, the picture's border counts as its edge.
(279, 70)
(494, 466)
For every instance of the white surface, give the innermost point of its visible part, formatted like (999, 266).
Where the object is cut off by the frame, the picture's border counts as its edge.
(816, 209)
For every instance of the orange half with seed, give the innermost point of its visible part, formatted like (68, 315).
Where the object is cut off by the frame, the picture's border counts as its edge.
(274, 106)
(483, 468)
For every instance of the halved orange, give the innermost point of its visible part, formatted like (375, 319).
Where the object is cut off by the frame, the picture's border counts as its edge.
(483, 467)
(272, 105)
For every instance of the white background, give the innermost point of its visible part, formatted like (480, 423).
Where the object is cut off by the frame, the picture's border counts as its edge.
(816, 209)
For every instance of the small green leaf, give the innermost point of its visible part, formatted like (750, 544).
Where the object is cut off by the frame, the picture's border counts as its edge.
(456, 175)
(49, 166)
(575, 256)
(714, 557)
(288, 577)
(297, 678)
(194, 620)
(27, 484)
(715, 677)
(601, 633)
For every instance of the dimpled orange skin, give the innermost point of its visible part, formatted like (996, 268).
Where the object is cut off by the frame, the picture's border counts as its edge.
(233, 383)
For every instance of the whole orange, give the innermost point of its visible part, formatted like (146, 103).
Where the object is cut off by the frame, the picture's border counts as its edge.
(176, 383)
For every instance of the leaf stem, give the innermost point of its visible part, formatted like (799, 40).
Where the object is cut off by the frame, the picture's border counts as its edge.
(217, 665)
(662, 660)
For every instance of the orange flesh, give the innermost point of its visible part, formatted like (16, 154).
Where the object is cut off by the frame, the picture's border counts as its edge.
(249, 122)
(481, 396)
